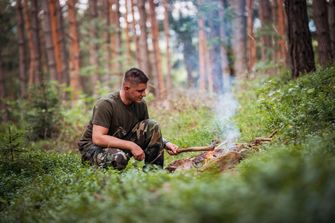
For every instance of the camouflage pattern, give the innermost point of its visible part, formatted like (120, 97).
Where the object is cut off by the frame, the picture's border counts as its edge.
(146, 134)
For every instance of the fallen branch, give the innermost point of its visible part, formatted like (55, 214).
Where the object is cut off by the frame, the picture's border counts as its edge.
(211, 147)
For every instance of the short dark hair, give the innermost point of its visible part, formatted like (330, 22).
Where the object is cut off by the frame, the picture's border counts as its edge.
(135, 76)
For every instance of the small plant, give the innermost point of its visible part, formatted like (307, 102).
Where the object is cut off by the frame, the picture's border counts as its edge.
(11, 143)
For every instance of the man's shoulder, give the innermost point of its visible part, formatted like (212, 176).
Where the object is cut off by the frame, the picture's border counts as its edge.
(107, 100)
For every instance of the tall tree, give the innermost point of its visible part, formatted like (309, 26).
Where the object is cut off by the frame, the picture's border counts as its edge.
(251, 43)
(167, 40)
(135, 36)
(157, 52)
(116, 38)
(281, 52)
(223, 48)
(240, 36)
(127, 30)
(299, 37)
(331, 18)
(215, 48)
(202, 52)
(62, 43)
(74, 48)
(143, 45)
(93, 48)
(266, 36)
(320, 15)
(49, 45)
(110, 42)
(22, 51)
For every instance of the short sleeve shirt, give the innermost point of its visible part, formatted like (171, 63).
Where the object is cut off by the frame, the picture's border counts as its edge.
(110, 112)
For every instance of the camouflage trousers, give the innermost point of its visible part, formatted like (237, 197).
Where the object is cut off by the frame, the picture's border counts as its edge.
(146, 134)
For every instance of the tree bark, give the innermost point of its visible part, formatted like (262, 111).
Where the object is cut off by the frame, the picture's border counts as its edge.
(281, 52)
(143, 45)
(202, 52)
(240, 37)
(266, 37)
(128, 40)
(110, 42)
(74, 49)
(21, 43)
(36, 38)
(135, 36)
(215, 50)
(331, 20)
(251, 43)
(157, 53)
(49, 44)
(116, 38)
(168, 53)
(62, 43)
(93, 49)
(320, 15)
(299, 37)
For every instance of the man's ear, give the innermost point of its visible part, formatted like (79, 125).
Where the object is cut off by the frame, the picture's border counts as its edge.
(126, 86)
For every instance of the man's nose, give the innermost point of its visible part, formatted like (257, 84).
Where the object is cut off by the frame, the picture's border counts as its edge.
(144, 93)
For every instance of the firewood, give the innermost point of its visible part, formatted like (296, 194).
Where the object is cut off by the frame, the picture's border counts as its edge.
(198, 148)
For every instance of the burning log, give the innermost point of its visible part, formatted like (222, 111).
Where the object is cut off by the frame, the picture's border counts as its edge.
(217, 157)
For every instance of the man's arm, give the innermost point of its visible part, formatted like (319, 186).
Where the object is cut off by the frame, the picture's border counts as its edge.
(101, 138)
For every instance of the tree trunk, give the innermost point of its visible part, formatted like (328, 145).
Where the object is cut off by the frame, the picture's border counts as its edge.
(93, 48)
(62, 43)
(31, 44)
(215, 50)
(116, 38)
(56, 40)
(135, 36)
(167, 36)
(281, 52)
(21, 43)
(74, 49)
(266, 37)
(157, 52)
(143, 45)
(223, 48)
(299, 37)
(240, 37)
(49, 44)
(320, 15)
(128, 40)
(110, 42)
(202, 53)
(36, 38)
(251, 43)
(331, 19)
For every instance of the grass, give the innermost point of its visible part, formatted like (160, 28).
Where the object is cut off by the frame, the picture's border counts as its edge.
(290, 180)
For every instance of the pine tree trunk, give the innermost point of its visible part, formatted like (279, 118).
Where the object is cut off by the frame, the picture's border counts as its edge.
(21, 43)
(167, 36)
(74, 49)
(93, 48)
(320, 15)
(56, 40)
(110, 44)
(331, 20)
(128, 40)
(135, 36)
(215, 51)
(299, 37)
(118, 44)
(202, 53)
(157, 52)
(251, 43)
(240, 37)
(36, 38)
(31, 44)
(281, 52)
(2, 92)
(62, 43)
(266, 38)
(143, 45)
(49, 44)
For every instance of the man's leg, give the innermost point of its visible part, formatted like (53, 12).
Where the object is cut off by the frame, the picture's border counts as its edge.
(147, 135)
(106, 157)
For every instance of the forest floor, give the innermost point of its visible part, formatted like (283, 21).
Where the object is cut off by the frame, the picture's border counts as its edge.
(290, 179)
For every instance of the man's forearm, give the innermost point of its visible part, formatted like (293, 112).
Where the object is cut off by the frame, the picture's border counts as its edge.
(112, 142)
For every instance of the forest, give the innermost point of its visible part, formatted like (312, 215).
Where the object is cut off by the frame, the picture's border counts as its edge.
(244, 88)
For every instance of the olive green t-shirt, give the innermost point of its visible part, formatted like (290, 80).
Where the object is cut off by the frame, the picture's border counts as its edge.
(110, 112)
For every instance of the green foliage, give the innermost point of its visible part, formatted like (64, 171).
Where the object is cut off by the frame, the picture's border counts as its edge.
(11, 142)
(43, 115)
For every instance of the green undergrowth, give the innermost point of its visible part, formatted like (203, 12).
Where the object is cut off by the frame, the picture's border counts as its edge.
(291, 179)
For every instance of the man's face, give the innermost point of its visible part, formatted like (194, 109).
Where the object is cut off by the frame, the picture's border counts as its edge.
(135, 92)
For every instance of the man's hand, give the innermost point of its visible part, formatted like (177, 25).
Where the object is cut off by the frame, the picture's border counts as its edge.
(171, 148)
(137, 152)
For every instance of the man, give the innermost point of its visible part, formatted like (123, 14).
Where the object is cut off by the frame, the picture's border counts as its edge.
(120, 128)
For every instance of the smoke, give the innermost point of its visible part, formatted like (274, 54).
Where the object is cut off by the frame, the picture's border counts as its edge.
(225, 109)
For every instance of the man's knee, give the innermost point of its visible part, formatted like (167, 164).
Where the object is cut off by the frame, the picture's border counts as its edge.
(111, 157)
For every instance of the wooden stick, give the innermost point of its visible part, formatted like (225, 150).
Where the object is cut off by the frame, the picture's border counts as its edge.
(211, 147)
